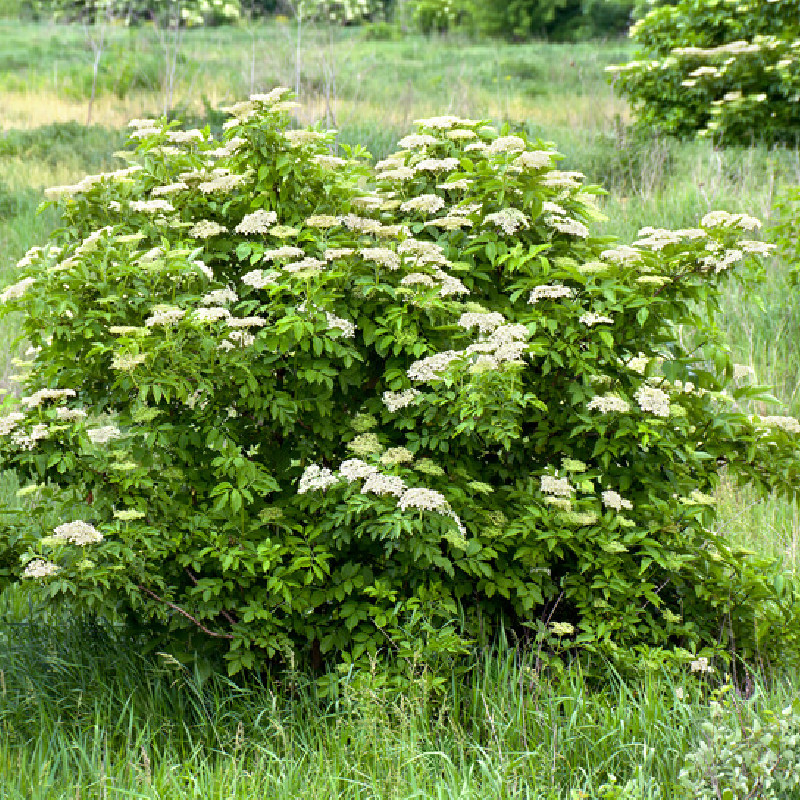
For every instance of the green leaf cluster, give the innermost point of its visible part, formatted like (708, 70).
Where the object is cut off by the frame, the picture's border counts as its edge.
(287, 404)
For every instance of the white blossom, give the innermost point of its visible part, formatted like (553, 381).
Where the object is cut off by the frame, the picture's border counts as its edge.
(316, 478)
(612, 499)
(78, 532)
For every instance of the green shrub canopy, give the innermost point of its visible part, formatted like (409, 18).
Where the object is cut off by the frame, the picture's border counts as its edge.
(723, 68)
(280, 401)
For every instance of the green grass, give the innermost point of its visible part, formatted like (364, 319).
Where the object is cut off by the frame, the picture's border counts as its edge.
(84, 714)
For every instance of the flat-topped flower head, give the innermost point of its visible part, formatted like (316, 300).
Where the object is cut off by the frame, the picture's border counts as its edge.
(316, 479)
(79, 533)
(39, 568)
(612, 499)
(259, 221)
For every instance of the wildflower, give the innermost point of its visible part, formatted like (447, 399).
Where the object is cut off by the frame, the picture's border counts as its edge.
(460, 185)
(259, 221)
(361, 224)
(128, 514)
(104, 434)
(39, 568)
(550, 292)
(460, 134)
(401, 173)
(485, 322)
(437, 165)
(9, 422)
(717, 219)
(426, 203)
(165, 315)
(378, 483)
(78, 532)
(206, 228)
(591, 319)
(423, 499)
(242, 338)
(127, 362)
(701, 665)
(222, 183)
(418, 279)
(169, 188)
(428, 467)
(653, 280)
(417, 140)
(533, 160)
(348, 328)
(365, 444)
(396, 455)
(394, 401)
(305, 266)
(70, 414)
(506, 144)
(336, 253)
(258, 278)
(213, 314)
(788, 424)
(568, 226)
(301, 137)
(270, 98)
(758, 248)
(321, 221)
(428, 369)
(16, 290)
(450, 223)
(316, 478)
(355, 469)
(608, 403)
(221, 297)
(287, 251)
(563, 180)
(328, 162)
(382, 256)
(558, 487)
(152, 206)
(36, 399)
(562, 629)
(612, 499)
(654, 400)
(27, 441)
(509, 220)
(622, 255)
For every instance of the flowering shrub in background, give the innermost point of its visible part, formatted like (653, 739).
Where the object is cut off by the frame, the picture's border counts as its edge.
(725, 69)
(288, 403)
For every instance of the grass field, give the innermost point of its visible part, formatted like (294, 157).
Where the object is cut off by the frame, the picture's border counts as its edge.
(84, 715)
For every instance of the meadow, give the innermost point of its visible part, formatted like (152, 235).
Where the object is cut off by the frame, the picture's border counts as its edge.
(83, 714)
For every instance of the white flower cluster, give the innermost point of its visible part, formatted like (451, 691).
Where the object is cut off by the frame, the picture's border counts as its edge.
(653, 400)
(558, 487)
(259, 221)
(533, 160)
(169, 188)
(382, 256)
(10, 422)
(612, 499)
(506, 144)
(258, 279)
(16, 290)
(568, 226)
(758, 248)
(608, 403)
(485, 322)
(590, 318)
(431, 367)
(78, 532)
(206, 228)
(104, 434)
(152, 206)
(378, 483)
(563, 180)
(348, 328)
(222, 183)
(396, 455)
(336, 253)
(246, 322)
(70, 414)
(37, 398)
(165, 315)
(287, 251)
(127, 362)
(214, 314)
(301, 137)
(425, 203)
(724, 219)
(39, 568)
(788, 424)
(394, 401)
(551, 291)
(220, 297)
(437, 165)
(417, 140)
(321, 221)
(354, 469)
(361, 224)
(723, 262)
(425, 500)
(624, 254)
(316, 478)
(509, 220)
(328, 162)
(27, 441)
(366, 444)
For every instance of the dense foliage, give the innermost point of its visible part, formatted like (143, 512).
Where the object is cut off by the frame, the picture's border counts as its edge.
(524, 19)
(723, 68)
(278, 412)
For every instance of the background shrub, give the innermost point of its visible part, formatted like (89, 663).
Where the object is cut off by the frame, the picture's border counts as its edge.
(720, 68)
(282, 413)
